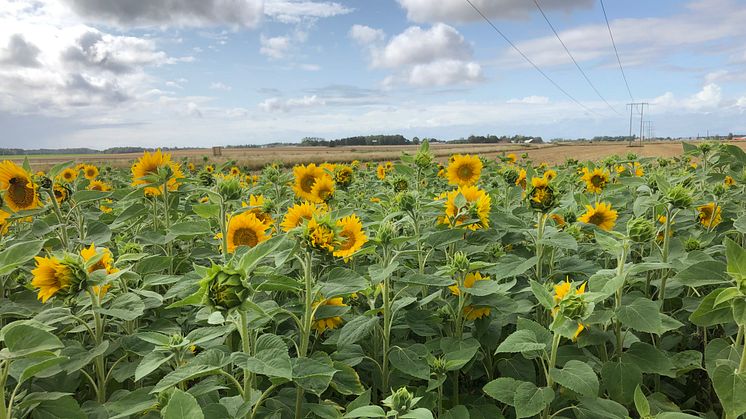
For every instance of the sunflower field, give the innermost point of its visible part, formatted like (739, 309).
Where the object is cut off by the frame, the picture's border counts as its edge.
(477, 288)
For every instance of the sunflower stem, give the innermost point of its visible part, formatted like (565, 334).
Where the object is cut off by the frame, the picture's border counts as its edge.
(664, 256)
(618, 299)
(224, 229)
(100, 363)
(387, 302)
(246, 346)
(305, 332)
(60, 220)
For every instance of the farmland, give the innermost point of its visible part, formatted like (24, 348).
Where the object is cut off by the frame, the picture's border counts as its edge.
(574, 280)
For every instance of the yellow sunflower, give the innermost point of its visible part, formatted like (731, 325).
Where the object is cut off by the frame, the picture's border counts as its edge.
(343, 175)
(209, 168)
(235, 171)
(478, 205)
(79, 167)
(329, 323)
(149, 164)
(98, 185)
(60, 193)
(323, 189)
(521, 180)
(639, 171)
(105, 208)
(464, 170)
(245, 230)
(106, 262)
(299, 213)
(710, 215)
(50, 276)
(190, 166)
(472, 312)
(320, 235)
(561, 290)
(729, 181)
(381, 172)
(90, 171)
(511, 158)
(256, 202)
(550, 174)
(68, 175)
(558, 219)
(4, 223)
(305, 179)
(620, 169)
(20, 190)
(596, 180)
(352, 237)
(602, 216)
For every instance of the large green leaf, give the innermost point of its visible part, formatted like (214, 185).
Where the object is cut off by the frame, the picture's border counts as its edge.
(529, 400)
(182, 405)
(356, 329)
(342, 281)
(520, 341)
(709, 315)
(151, 362)
(312, 375)
(502, 389)
(578, 377)
(641, 315)
(61, 408)
(730, 387)
(409, 362)
(17, 254)
(620, 380)
(23, 340)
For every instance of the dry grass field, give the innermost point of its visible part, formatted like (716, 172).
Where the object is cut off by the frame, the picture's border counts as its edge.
(255, 158)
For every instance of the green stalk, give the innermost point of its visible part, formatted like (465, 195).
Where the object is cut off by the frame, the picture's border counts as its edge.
(246, 346)
(4, 370)
(541, 221)
(100, 363)
(387, 302)
(742, 364)
(552, 361)
(60, 220)
(666, 247)
(618, 299)
(224, 229)
(305, 333)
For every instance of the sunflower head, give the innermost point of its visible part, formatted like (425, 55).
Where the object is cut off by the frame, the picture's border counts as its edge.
(510, 174)
(521, 179)
(68, 175)
(679, 196)
(595, 180)
(343, 175)
(98, 259)
(19, 190)
(327, 316)
(323, 189)
(99, 185)
(229, 187)
(156, 164)
(58, 277)
(709, 215)
(61, 193)
(570, 304)
(464, 170)
(235, 171)
(300, 213)
(467, 204)
(4, 222)
(305, 179)
(351, 237)
(223, 288)
(541, 196)
(321, 234)
(245, 229)
(601, 215)
(510, 158)
(381, 172)
(640, 230)
(90, 171)
(729, 181)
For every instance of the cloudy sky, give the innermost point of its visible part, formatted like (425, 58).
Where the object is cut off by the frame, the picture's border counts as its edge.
(101, 73)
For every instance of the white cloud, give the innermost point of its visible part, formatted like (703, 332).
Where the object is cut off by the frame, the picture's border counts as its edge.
(444, 72)
(276, 104)
(418, 46)
(310, 67)
(709, 98)
(461, 11)
(180, 13)
(220, 86)
(295, 11)
(531, 100)
(366, 35)
(276, 47)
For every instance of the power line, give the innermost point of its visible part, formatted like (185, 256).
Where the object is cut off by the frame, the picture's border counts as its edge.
(529, 60)
(606, 18)
(585, 76)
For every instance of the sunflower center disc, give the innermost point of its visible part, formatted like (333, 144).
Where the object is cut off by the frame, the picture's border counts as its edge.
(245, 237)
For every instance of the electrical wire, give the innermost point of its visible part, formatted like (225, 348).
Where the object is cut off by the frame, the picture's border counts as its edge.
(606, 18)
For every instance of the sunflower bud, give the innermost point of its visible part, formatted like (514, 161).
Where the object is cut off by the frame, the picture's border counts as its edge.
(424, 157)
(223, 288)
(679, 197)
(343, 175)
(640, 230)
(510, 174)
(719, 190)
(542, 199)
(206, 178)
(43, 181)
(400, 184)
(407, 201)
(438, 366)
(460, 262)
(400, 402)
(573, 306)
(662, 162)
(229, 187)
(386, 233)
(692, 244)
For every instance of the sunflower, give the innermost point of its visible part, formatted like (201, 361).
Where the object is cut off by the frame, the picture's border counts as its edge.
(596, 180)
(352, 237)
(511, 158)
(561, 291)
(79, 167)
(558, 219)
(602, 216)
(620, 169)
(257, 204)
(98, 185)
(20, 190)
(729, 181)
(521, 179)
(106, 262)
(4, 223)
(343, 175)
(68, 175)
(478, 205)
(550, 174)
(235, 171)
(209, 168)
(329, 323)
(190, 166)
(245, 230)
(639, 171)
(50, 276)
(323, 189)
(305, 179)
(320, 235)
(472, 312)
(381, 172)
(90, 171)
(60, 193)
(105, 208)
(299, 213)
(464, 170)
(710, 215)
(149, 164)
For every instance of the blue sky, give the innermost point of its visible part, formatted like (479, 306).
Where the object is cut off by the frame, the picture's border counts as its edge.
(102, 73)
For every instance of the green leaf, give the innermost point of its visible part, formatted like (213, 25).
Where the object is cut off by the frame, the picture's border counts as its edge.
(649, 359)
(708, 272)
(87, 196)
(641, 315)
(342, 281)
(190, 229)
(458, 353)
(33, 399)
(620, 380)
(730, 387)
(38, 365)
(736, 256)
(182, 405)
(409, 362)
(502, 389)
(709, 315)
(418, 413)
(188, 372)
(17, 254)
(254, 256)
(127, 306)
(23, 340)
(151, 362)
(599, 408)
(62, 408)
(130, 404)
(520, 341)
(560, 240)
(312, 375)
(356, 329)
(530, 400)
(346, 381)
(578, 377)
(542, 295)
(641, 403)
(366, 412)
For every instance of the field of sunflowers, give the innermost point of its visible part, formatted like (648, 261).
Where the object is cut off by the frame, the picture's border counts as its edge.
(473, 289)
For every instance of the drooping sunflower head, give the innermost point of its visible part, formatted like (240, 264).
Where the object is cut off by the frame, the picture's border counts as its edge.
(90, 171)
(68, 175)
(595, 180)
(351, 236)
(223, 288)
(53, 276)
(99, 185)
(326, 317)
(305, 179)
(464, 170)
(469, 280)
(246, 229)
(321, 234)
(465, 204)
(709, 215)
(61, 193)
(323, 189)
(98, 258)
(18, 187)
(343, 175)
(300, 213)
(152, 164)
(601, 216)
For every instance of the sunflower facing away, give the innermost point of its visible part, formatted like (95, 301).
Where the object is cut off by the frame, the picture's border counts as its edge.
(299, 213)
(464, 170)
(90, 171)
(602, 216)
(478, 205)
(709, 215)
(472, 312)
(352, 237)
(305, 179)
(323, 189)
(50, 276)
(320, 234)
(149, 164)
(561, 291)
(329, 323)
(98, 185)
(106, 263)
(245, 230)
(20, 191)
(596, 180)
(60, 193)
